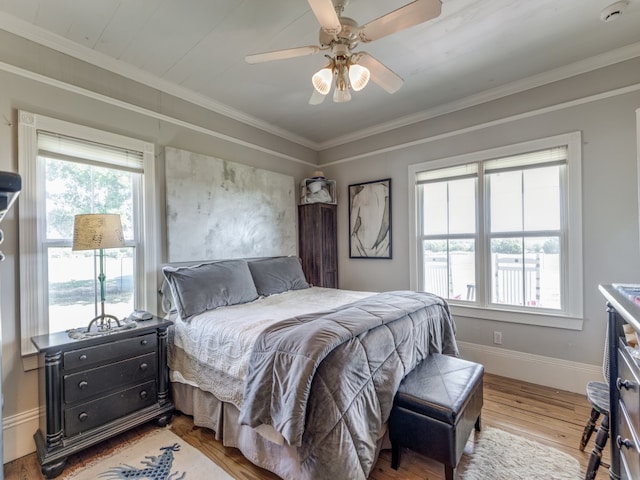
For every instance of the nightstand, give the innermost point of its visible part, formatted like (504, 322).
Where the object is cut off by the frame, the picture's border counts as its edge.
(94, 388)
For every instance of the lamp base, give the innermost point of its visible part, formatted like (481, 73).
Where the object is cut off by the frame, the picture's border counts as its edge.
(103, 322)
(81, 333)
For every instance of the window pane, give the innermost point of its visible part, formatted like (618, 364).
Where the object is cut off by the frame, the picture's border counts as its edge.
(436, 268)
(74, 290)
(506, 201)
(542, 198)
(548, 249)
(526, 272)
(449, 207)
(74, 188)
(462, 206)
(507, 272)
(462, 258)
(449, 268)
(434, 208)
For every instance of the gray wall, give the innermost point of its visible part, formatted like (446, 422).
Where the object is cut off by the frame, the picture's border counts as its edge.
(17, 92)
(610, 193)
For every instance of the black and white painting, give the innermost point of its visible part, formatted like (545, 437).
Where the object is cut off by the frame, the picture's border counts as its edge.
(370, 219)
(218, 209)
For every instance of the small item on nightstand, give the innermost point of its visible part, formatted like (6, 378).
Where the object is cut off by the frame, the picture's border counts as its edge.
(140, 315)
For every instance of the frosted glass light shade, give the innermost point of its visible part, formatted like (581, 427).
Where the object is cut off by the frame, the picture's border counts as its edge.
(322, 80)
(340, 96)
(93, 231)
(358, 77)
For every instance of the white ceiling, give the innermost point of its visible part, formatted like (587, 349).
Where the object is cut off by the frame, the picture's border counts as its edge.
(475, 50)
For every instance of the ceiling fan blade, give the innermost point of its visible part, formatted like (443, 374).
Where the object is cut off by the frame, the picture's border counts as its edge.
(281, 54)
(411, 14)
(380, 74)
(326, 14)
(316, 98)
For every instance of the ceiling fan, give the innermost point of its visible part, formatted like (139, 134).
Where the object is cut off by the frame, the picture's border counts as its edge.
(340, 36)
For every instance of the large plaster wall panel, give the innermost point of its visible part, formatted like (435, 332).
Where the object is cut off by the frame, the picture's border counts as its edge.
(218, 209)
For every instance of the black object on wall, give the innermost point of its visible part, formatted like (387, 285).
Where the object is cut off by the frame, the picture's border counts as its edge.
(10, 186)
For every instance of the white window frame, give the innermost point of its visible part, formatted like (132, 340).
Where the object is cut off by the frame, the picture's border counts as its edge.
(34, 319)
(572, 287)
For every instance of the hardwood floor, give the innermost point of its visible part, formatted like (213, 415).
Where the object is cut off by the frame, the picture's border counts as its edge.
(549, 416)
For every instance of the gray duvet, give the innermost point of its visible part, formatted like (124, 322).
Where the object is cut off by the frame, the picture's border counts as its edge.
(326, 381)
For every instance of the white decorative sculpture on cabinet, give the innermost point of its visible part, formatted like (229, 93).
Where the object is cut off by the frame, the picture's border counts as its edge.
(317, 189)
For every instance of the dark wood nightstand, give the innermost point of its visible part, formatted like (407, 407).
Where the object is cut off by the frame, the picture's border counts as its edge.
(94, 388)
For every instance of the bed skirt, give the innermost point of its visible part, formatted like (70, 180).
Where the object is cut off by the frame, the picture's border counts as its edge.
(221, 417)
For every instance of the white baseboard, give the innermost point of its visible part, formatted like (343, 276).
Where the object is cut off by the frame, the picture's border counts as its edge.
(547, 371)
(17, 434)
(18, 430)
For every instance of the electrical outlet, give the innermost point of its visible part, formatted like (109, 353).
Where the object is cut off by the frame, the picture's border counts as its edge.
(497, 338)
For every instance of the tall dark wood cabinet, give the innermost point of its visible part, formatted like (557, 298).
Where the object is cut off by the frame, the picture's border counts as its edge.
(318, 243)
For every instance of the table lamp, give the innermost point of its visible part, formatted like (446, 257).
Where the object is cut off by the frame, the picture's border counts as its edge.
(97, 231)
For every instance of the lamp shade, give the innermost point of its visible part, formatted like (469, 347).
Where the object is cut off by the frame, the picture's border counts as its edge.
(358, 77)
(341, 96)
(93, 231)
(322, 80)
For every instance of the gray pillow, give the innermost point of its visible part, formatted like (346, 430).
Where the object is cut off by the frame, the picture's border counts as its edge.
(277, 275)
(210, 285)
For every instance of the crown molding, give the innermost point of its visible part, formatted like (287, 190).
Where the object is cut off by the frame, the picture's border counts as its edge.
(51, 40)
(48, 39)
(583, 66)
(480, 126)
(21, 72)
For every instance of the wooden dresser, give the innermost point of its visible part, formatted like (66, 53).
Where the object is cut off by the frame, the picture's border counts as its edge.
(318, 243)
(623, 305)
(95, 388)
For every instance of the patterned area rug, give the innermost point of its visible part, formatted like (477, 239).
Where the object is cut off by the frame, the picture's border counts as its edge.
(500, 455)
(159, 455)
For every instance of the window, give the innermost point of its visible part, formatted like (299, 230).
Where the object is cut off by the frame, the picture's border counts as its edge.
(69, 169)
(498, 232)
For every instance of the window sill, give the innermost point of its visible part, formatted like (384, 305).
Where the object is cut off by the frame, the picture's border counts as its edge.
(30, 362)
(542, 319)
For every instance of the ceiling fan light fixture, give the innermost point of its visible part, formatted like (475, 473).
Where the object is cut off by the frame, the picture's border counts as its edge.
(358, 77)
(322, 80)
(340, 35)
(341, 96)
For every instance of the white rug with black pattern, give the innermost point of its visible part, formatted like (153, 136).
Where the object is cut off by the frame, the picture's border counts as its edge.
(158, 455)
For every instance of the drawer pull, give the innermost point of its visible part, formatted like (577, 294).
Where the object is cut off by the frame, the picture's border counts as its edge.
(626, 384)
(624, 443)
(143, 366)
(82, 357)
(83, 416)
(83, 384)
(144, 342)
(144, 394)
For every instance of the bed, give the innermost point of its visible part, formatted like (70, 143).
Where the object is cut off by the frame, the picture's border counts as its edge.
(301, 379)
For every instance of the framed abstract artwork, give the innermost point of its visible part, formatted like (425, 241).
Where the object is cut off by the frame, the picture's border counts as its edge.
(370, 219)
